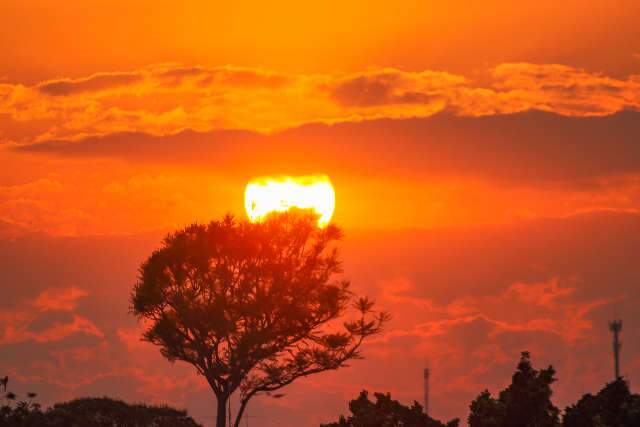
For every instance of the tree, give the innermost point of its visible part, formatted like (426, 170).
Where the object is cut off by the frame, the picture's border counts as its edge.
(613, 406)
(526, 402)
(106, 412)
(386, 412)
(252, 306)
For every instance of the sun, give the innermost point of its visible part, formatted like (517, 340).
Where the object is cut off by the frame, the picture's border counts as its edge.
(279, 194)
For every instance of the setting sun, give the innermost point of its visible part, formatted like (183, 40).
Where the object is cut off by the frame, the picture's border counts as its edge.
(278, 194)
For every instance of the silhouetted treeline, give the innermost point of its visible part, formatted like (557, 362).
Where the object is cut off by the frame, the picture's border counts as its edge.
(526, 402)
(386, 412)
(88, 412)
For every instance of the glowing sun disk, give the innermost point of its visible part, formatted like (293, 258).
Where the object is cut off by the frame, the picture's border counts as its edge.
(279, 194)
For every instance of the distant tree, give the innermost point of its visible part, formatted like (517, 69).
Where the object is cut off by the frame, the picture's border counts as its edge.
(613, 406)
(251, 305)
(106, 412)
(386, 412)
(526, 402)
(94, 412)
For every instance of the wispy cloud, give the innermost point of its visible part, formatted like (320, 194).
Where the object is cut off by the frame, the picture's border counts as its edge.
(18, 324)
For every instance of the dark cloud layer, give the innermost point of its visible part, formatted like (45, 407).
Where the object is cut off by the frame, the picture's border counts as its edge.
(96, 82)
(524, 148)
(377, 89)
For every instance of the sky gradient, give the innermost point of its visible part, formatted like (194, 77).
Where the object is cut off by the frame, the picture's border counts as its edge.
(485, 161)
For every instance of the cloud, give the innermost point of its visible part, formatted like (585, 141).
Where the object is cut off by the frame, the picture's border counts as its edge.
(440, 170)
(544, 295)
(393, 87)
(32, 321)
(10, 231)
(528, 147)
(167, 98)
(59, 299)
(563, 89)
(94, 83)
(241, 77)
(532, 307)
(35, 188)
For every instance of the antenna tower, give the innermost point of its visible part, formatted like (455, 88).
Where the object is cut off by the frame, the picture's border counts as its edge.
(615, 326)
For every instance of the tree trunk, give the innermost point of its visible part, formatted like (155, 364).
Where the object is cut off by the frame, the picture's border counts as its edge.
(243, 405)
(221, 416)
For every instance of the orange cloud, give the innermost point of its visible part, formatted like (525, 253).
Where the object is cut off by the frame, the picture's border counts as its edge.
(522, 307)
(167, 98)
(95, 83)
(17, 325)
(59, 299)
(564, 89)
(394, 87)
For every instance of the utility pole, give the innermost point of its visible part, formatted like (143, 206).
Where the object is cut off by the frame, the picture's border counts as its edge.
(426, 390)
(615, 326)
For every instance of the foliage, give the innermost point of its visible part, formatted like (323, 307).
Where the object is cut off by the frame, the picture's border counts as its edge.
(95, 412)
(106, 412)
(386, 412)
(486, 411)
(18, 413)
(251, 305)
(526, 402)
(613, 406)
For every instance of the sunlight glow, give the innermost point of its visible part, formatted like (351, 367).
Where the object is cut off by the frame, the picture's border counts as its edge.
(278, 194)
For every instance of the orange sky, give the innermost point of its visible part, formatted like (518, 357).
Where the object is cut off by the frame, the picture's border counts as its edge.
(503, 134)
(46, 38)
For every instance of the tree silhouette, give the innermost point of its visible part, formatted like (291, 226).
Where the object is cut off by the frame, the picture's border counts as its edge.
(251, 305)
(386, 412)
(106, 412)
(526, 402)
(486, 411)
(94, 412)
(613, 406)
(18, 413)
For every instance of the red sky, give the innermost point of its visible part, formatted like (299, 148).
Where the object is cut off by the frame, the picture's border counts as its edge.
(485, 160)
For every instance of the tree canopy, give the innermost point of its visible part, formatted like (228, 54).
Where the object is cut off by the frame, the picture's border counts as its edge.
(526, 402)
(613, 406)
(252, 306)
(94, 412)
(386, 412)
